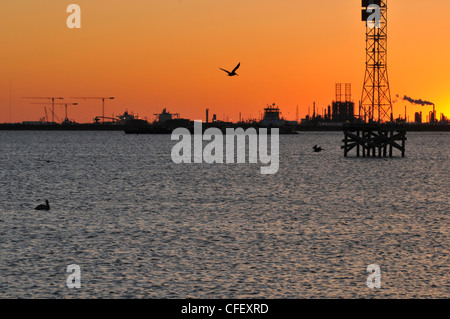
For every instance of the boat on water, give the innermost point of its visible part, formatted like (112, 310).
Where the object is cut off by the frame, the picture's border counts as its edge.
(166, 122)
(127, 119)
(272, 119)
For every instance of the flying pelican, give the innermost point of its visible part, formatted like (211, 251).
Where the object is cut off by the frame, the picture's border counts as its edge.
(317, 149)
(43, 207)
(232, 73)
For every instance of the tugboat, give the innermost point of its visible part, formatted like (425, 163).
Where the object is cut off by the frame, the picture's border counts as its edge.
(273, 119)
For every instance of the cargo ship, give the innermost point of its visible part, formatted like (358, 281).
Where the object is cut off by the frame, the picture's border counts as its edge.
(164, 123)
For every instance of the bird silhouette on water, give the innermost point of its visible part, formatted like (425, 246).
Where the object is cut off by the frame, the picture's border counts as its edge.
(43, 207)
(317, 149)
(232, 73)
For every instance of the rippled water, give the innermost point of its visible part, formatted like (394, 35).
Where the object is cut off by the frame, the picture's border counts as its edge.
(139, 225)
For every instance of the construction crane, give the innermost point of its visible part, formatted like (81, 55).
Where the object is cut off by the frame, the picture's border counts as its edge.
(45, 110)
(65, 105)
(57, 118)
(97, 98)
(46, 115)
(48, 98)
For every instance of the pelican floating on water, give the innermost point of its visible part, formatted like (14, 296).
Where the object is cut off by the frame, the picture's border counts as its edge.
(43, 207)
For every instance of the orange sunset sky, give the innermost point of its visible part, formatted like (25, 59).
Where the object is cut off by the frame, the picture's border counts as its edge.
(151, 54)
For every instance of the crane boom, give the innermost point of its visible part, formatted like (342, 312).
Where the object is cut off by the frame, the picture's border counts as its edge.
(65, 105)
(47, 98)
(96, 98)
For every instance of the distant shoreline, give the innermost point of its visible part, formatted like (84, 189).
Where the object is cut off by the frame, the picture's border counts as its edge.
(114, 127)
(59, 127)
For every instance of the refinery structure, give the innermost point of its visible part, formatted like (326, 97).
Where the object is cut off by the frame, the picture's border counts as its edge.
(375, 105)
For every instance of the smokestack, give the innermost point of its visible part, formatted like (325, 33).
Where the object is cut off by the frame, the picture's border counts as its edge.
(434, 115)
(207, 115)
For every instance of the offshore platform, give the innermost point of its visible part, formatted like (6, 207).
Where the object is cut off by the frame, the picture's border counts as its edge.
(377, 133)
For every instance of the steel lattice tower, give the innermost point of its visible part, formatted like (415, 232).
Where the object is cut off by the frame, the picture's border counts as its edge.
(376, 100)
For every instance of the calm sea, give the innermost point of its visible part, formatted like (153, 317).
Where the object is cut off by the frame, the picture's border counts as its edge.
(140, 226)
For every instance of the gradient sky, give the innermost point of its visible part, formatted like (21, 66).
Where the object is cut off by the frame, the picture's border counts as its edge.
(152, 54)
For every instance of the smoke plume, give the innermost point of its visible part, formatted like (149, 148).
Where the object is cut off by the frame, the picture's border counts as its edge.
(418, 102)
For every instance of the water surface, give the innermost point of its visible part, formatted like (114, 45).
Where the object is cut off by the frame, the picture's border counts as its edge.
(140, 226)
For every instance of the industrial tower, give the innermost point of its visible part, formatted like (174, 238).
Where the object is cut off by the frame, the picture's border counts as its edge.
(376, 138)
(376, 103)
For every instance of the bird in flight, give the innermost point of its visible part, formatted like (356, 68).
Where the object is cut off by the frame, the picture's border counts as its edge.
(232, 73)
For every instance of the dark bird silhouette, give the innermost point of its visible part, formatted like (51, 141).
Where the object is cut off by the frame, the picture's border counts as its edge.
(232, 73)
(43, 207)
(317, 149)
(47, 161)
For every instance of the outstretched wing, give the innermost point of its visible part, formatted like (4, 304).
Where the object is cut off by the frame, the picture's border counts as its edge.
(237, 67)
(225, 70)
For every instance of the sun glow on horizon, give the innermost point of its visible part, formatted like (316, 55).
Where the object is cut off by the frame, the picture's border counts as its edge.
(153, 55)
